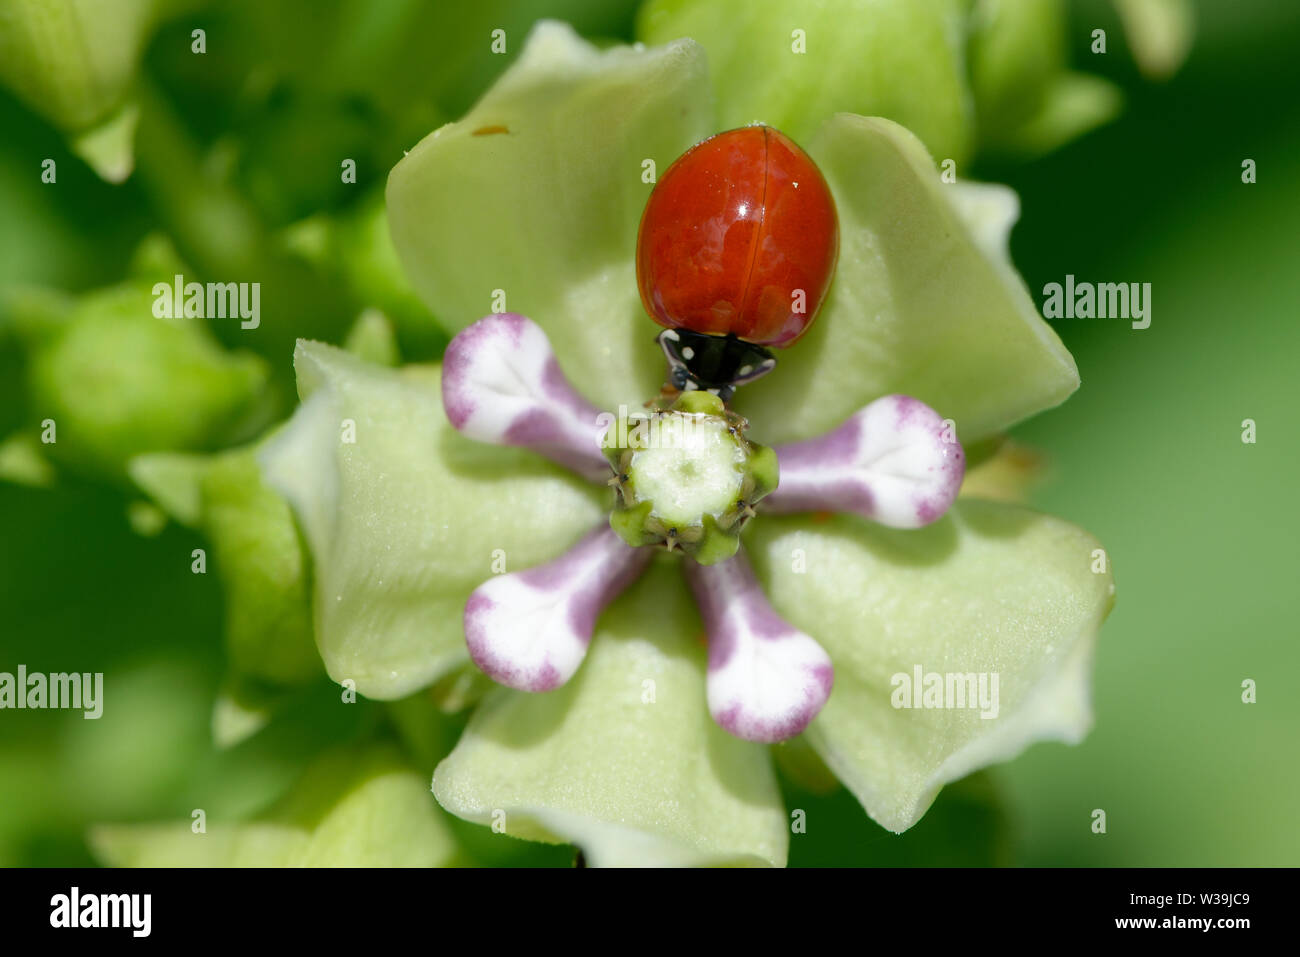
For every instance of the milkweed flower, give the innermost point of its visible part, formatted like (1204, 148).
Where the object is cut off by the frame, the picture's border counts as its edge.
(619, 731)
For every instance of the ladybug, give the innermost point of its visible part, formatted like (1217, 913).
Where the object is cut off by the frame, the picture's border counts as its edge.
(735, 252)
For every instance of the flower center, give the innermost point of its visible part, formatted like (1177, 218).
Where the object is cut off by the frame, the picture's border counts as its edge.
(687, 477)
(695, 470)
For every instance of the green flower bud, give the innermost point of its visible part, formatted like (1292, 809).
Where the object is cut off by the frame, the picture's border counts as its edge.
(109, 380)
(1027, 100)
(372, 338)
(75, 63)
(794, 68)
(352, 807)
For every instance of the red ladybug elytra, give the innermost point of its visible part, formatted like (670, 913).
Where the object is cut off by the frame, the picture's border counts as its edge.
(736, 250)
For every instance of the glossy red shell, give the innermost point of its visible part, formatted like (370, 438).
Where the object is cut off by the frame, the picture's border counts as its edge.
(734, 231)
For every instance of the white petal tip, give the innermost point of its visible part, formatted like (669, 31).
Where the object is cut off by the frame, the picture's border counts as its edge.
(530, 630)
(767, 680)
(896, 461)
(501, 384)
(775, 694)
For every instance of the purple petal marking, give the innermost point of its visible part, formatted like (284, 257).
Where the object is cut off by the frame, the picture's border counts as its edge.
(501, 384)
(530, 630)
(895, 461)
(767, 680)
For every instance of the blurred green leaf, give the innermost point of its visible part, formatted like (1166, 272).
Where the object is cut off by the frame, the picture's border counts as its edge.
(350, 809)
(145, 746)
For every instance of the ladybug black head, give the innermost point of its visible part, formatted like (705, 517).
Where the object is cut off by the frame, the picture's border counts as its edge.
(712, 363)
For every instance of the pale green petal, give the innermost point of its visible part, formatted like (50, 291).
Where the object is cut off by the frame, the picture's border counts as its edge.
(263, 571)
(1008, 474)
(544, 201)
(990, 588)
(902, 59)
(1159, 32)
(155, 256)
(349, 810)
(989, 211)
(390, 819)
(174, 845)
(236, 719)
(919, 305)
(408, 517)
(173, 480)
(1072, 105)
(145, 518)
(372, 338)
(109, 148)
(23, 461)
(624, 760)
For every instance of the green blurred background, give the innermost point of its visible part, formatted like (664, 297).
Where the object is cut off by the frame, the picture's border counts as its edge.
(1147, 455)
